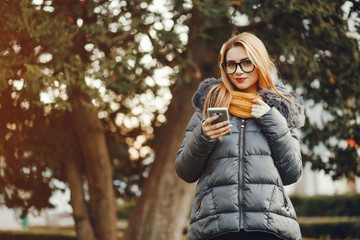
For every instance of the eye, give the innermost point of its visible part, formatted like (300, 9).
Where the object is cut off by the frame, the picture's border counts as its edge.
(247, 63)
(231, 64)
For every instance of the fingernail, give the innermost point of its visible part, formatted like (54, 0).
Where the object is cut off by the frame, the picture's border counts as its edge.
(216, 116)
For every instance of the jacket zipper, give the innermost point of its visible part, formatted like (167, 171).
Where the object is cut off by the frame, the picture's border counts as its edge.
(241, 172)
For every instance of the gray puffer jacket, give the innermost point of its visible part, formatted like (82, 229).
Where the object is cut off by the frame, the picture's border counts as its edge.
(241, 178)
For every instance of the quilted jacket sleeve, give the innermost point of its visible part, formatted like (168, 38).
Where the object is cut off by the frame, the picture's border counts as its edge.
(284, 145)
(191, 158)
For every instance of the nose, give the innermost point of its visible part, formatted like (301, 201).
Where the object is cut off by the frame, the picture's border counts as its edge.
(238, 69)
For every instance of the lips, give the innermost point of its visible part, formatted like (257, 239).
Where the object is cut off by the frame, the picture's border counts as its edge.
(240, 80)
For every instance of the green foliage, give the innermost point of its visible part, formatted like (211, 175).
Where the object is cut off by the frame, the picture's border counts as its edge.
(335, 230)
(316, 54)
(51, 48)
(331, 217)
(55, 47)
(337, 205)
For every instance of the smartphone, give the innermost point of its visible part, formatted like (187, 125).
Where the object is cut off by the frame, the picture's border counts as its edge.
(222, 112)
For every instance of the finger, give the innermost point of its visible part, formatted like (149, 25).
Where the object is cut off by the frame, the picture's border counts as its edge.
(255, 114)
(220, 134)
(258, 101)
(258, 112)
(218, 130)
(256, 107)
(221, 124)
(205, 130)
(225, 132)
(210, 127)
(209, 120)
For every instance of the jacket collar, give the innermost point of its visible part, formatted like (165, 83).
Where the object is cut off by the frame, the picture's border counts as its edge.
(293, 113)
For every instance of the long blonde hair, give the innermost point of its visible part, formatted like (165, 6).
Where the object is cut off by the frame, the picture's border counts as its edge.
(220, 94)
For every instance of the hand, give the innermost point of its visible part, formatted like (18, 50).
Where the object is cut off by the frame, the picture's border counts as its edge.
(259, 108)
(214, 131)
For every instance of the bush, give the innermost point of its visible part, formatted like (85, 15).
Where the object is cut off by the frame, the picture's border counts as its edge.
(337, 230)
(338, 205)
(333, 217)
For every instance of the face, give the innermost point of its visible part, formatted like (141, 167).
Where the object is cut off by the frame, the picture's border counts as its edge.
(245, 82)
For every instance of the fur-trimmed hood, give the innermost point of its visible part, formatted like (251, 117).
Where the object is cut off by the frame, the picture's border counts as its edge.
(293, 113)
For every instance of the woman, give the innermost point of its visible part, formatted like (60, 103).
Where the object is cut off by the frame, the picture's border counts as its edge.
(240, 193)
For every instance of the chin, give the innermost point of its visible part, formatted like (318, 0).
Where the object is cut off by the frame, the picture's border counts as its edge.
(241, 87)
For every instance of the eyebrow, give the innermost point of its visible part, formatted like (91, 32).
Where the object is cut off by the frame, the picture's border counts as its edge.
(241, 60)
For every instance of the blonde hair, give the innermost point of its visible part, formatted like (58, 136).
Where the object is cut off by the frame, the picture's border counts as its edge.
(220, 94)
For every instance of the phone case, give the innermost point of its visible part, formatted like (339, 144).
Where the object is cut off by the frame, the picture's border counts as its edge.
(222, 112)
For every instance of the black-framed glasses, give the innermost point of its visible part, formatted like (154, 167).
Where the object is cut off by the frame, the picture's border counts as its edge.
(230, 67)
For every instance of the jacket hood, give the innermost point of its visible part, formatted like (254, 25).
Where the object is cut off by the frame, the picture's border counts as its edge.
(293, 113)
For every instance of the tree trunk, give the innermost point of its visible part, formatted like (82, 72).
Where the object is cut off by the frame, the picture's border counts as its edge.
(90, 133)
(83, 226)
(351, 184)
(163, 208)
(161, 211)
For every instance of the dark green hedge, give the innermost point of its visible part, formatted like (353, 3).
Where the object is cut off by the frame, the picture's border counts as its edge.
(337, 205)
(13, 235)
(340, 230)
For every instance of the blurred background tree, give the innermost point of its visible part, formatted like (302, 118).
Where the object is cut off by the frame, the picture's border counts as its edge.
(69, 74)
(77, 79)
(315, 53)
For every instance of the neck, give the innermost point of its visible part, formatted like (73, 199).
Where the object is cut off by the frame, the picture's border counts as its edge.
(252, 90)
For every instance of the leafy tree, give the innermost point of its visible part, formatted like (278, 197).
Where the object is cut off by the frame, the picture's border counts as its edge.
(312, 46)
(65, 48)
(69, 72)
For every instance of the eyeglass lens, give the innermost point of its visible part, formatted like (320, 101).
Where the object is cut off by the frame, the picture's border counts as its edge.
(246, 66)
